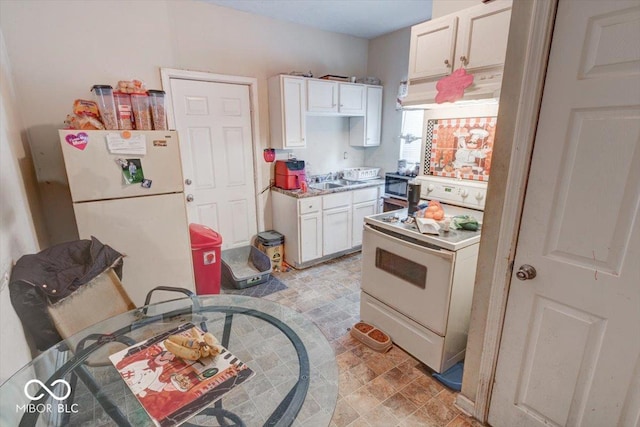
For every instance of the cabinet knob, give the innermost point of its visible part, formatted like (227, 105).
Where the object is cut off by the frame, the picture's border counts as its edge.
(190, 198)
(446, 62)
(464, 60)
(187, 181)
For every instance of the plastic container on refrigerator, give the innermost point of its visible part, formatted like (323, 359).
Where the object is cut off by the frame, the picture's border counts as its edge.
(124, 115)
(158, 112)
(106, 105)
(141, 111)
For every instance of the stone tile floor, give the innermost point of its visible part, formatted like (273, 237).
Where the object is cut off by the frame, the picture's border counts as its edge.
(375, 390)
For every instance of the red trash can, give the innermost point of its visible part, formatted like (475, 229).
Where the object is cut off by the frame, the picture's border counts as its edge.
(205, 250)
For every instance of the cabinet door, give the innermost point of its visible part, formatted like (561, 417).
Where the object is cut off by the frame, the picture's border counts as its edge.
(432, 48)
(380, 202)
(373, 116)
(359, 212)
(482, 36)
(294, 96)
(352, 99)
(322, 96)
(336, 230)
(310, 235)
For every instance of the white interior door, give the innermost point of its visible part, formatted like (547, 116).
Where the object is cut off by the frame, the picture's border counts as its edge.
(570, 350)
(214, 124)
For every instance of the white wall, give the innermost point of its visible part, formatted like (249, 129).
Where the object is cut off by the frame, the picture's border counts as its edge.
(445, 7)
(17, 233)
(389, 61)
(327, 143)
(59, 49)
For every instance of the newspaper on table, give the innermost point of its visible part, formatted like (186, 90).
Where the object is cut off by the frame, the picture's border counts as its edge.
(172, 389)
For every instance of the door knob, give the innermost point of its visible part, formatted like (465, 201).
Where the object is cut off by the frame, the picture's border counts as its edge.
(188, 181)
(526, 272)
(189, 197)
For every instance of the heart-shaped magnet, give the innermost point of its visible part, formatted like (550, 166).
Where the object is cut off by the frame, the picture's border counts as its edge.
(78, 141)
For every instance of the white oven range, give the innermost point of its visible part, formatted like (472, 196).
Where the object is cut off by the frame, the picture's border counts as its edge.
(418, 287)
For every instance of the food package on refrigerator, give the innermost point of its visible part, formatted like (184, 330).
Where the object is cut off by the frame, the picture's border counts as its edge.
(83, 123)
(82, 107)
(131, 86)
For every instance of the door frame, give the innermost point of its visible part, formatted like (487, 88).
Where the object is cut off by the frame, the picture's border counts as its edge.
(166, 74)
(530, 36)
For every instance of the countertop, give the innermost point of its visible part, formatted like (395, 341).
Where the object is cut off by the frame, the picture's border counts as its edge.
(312, 192)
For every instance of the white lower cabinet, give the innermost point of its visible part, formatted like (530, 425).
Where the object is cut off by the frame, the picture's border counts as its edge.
(336, 230)
(310, 228)
(318, 228)
(365, 203)
(359, 212)
(336, 222)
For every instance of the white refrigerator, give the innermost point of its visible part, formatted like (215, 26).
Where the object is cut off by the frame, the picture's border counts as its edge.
(127, 190)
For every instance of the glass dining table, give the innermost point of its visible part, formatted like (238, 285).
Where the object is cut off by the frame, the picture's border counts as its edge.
(295, 381)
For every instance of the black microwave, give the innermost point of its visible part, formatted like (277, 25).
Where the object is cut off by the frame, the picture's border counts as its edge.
(396, 185)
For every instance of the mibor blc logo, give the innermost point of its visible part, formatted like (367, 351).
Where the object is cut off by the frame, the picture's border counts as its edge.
(65, 392)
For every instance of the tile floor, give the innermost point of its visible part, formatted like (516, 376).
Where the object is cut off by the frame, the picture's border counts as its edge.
(375, 390)
(391, 389)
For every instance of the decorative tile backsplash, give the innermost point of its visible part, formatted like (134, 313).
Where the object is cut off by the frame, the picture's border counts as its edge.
(461, 148)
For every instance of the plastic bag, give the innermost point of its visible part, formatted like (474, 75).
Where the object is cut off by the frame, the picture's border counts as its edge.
(131, 86)
(433, 211)
(464, 222)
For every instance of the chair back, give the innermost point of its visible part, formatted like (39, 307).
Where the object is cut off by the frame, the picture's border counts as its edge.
(101, 298)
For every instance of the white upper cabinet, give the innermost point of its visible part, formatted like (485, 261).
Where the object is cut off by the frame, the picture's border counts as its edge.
(322, 96)
(482, 36)
(365, 131)
(352, 99)
(326, 96)
(287, 101)
(432, 47)
(373, 117)
(474, 38)
(291, 98)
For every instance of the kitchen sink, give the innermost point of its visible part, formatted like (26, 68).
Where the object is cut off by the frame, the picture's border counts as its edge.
(345, 182)
(325, 185)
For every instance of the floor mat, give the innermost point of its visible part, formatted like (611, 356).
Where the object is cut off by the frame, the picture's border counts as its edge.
(270, 286)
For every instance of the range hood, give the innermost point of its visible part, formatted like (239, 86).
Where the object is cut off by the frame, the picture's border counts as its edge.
(485, 90)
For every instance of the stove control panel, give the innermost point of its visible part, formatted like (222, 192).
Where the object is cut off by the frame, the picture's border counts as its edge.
(453, 191)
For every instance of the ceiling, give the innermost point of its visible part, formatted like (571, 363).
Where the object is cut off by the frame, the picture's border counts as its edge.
(361, 18)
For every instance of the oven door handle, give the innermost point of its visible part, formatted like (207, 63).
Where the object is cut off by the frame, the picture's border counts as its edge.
(442, 253)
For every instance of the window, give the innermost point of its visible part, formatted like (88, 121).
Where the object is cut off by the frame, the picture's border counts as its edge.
(411, 136)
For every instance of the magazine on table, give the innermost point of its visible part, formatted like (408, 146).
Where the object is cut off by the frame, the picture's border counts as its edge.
(173, 389)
